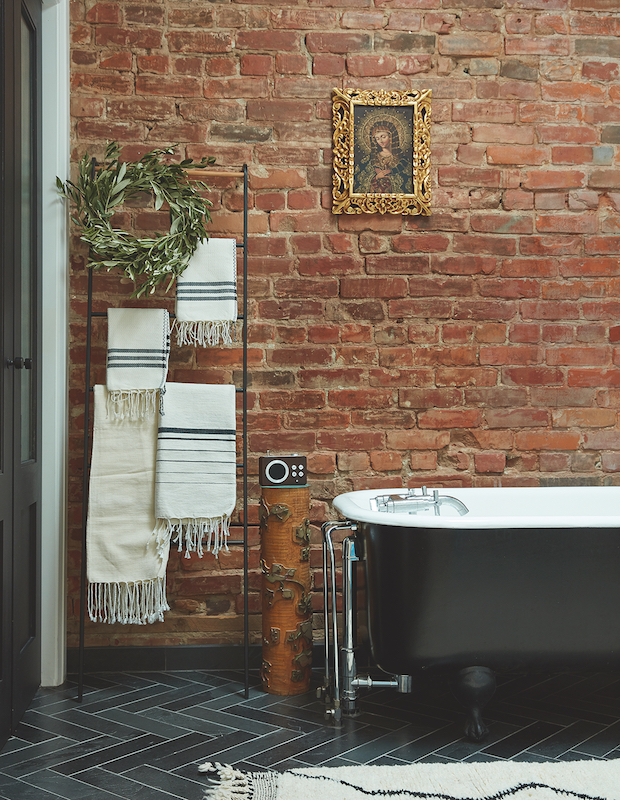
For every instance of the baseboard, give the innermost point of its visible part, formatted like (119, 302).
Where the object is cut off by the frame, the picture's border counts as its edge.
(162, 659)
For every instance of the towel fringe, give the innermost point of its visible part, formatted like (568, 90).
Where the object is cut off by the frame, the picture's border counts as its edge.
(200, 534)
(204, 333)
(131, 403)
(136, 603)
(226, 783)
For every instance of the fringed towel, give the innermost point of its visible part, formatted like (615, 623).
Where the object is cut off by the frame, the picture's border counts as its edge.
(126, 570)
(206, 307)
(138, 352)
(196, 488)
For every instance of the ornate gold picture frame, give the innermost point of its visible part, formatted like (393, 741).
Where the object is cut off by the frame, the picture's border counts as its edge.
(382, 152)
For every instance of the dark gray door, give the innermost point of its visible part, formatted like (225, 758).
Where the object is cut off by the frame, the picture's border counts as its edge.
(20, 476)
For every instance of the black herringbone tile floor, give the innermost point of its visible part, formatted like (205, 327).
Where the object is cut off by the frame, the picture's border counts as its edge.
(140, 736)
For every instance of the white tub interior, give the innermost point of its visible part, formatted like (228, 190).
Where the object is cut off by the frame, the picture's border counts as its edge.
(502, 507)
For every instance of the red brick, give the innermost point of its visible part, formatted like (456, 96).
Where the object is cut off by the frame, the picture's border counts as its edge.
(566, 92)
(550, 245)
(350, 440)
(255, 65)
(373, 287)
(463, 265)
(369, 66)
(547, 440)
(509, 354)
(460, 44)
(490, 462)
(291, 64)
(102, 84)
(589, 266)
(267, 40)
(455, 176)
(516, 154)
(553, 179)
(337, 42)
(444, 418)
(386, 461)
(474, 111)
(303, 18)
(423, 461)
(544, 46)
(571, 155)
(584, 418)
(564, 223)
(104, 13)
(417, 440)
(168, 86)
(429, 398)
(532, 376)
(517, 418)
(578, 356)
(601, 71)
(292, 400)
(328, 64)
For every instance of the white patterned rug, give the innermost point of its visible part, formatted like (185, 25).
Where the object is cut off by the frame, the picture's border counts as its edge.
(506, 780)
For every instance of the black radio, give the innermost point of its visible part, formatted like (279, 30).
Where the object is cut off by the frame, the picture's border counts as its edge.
(282, 470)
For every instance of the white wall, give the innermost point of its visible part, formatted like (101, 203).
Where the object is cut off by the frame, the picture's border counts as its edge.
(54, 292)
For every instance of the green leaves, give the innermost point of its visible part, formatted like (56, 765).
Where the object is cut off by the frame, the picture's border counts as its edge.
(96, 194)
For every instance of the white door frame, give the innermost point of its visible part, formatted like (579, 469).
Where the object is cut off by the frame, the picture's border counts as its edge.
(54, 336)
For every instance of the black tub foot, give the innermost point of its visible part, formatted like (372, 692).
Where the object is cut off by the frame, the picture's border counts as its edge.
(474, 687)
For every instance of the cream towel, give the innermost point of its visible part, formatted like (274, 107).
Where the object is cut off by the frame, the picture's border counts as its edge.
(126, 571)
(206, 305)
(138, 352)
(196, 487)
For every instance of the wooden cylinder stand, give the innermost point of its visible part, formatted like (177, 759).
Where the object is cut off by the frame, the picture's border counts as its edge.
(287, 610)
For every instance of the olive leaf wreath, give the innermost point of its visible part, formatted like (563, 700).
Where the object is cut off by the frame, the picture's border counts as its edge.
(97, 193)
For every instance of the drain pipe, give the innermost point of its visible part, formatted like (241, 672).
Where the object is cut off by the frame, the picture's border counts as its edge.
(331, 684)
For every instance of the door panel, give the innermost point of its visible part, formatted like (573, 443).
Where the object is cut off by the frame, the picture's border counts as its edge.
(20, 427)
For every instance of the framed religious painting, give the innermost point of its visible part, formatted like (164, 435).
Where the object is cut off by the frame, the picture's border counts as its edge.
(382, 152)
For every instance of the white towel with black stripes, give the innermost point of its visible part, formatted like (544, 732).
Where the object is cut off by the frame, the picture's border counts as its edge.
(126, 570)
(206, 300)
(195, 485)
(138, 353)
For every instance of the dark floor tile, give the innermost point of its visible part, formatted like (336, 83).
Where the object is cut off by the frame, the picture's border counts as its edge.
(124, 787)
(138, 747)
(182, 723)
(111, 723)
(156, 753)
(14, 789)
(225, 718)
(58, 726)
(429, 743)
(289, 750)
(168, 781)
(67, 787)
(521, 740)
(602, 743)
(42, 755)
(462, 749)
(569, 737)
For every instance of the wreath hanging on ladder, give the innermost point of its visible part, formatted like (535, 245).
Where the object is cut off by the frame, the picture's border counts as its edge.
(97, 194)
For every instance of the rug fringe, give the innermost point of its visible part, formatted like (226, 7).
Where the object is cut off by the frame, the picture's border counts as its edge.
(226, 783)
(204, 333)
(136, 603)
(131, 403)
(197, 534)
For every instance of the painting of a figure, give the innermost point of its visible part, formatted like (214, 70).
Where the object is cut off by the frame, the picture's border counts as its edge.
(383, 158)
(381, 151)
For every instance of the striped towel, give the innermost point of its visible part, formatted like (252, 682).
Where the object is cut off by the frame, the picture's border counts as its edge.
(206, 306)
(126, 571)
(196, 479)
(138, 351)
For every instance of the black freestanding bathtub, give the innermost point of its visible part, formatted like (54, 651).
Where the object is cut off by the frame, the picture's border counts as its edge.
(476, 581)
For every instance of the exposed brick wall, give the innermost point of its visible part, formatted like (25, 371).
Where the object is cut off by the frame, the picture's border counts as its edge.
(477, 346)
